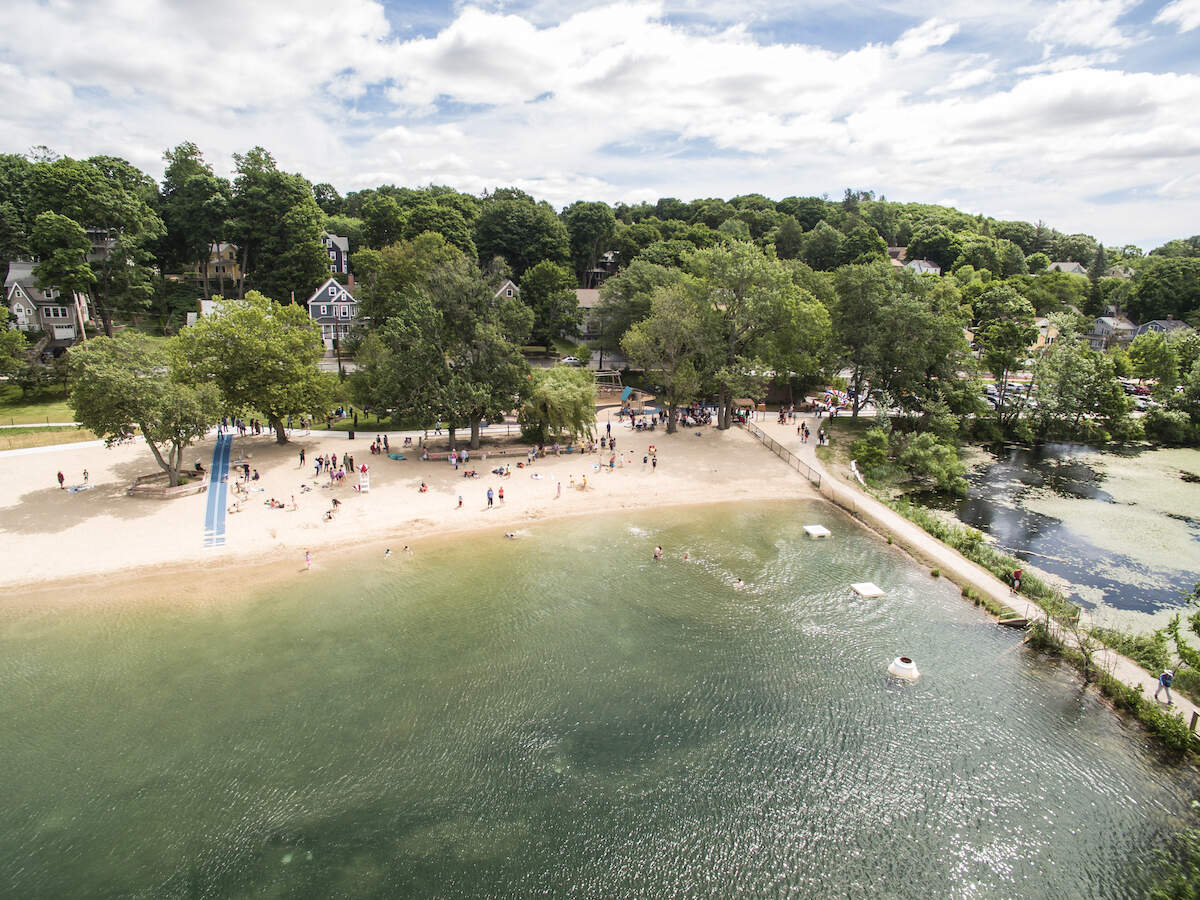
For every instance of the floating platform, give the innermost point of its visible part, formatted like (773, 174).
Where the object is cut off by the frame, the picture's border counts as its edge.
(817, 531)
(903, 667)
(867, 589)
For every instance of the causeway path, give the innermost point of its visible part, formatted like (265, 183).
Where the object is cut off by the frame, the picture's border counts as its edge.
(844, 491)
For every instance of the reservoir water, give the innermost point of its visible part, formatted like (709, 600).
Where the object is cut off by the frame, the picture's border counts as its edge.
(1119, 532)
(560, 715)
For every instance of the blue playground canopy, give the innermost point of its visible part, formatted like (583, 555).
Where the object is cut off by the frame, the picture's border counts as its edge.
(625, 393)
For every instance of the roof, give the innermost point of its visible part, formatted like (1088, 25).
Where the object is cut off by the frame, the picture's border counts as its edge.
(1162, 325)
(1115, 322)
(923, 265)
(1067, 266)
(587, 298)
(342, 243)
(508, 283)
(343, 295)
(19, 270)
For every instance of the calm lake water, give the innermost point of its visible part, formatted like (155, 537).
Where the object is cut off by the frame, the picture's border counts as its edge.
(561, 716)
(1120, 531)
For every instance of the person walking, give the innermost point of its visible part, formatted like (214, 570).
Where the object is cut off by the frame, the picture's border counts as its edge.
(1165, 680)
(302, 457)
(500, 493)
(1016, 581)
(61, 478)
(85, 476)
(307, 560)
(490, 496)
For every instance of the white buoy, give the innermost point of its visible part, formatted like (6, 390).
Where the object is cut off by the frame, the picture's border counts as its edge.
(903, 667)
(817, 531)
(867, 589)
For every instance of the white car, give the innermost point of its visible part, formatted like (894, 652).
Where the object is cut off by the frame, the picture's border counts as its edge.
(570, 361)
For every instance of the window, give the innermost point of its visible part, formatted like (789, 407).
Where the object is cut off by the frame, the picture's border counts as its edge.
(333, 290)
(344, 310)
(343, 329)
(332, 255)
(508, 293)
(324, 310)
(49, 295)
(54, 312)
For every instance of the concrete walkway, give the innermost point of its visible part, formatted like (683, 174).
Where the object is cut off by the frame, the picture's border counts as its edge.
(843, 490)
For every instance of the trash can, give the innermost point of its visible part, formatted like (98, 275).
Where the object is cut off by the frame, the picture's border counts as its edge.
(350, 435)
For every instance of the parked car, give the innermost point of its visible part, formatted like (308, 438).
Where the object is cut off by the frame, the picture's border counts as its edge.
(570, 361)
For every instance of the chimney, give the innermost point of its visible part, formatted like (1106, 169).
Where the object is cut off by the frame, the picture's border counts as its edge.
(350, 283)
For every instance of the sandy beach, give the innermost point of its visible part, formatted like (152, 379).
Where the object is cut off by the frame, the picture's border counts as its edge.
(55, 539)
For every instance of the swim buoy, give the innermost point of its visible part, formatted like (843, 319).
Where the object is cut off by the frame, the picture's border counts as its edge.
(903, 667)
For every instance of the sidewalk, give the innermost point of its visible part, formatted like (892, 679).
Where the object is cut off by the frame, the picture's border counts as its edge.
(844, 491)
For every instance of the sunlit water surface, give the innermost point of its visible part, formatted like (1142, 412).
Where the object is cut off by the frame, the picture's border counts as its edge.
(559, 715)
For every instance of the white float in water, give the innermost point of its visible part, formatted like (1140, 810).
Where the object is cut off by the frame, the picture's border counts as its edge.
(903, 667)
(867, 589)
(817, 531)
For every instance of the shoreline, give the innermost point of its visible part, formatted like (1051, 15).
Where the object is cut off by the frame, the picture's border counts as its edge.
(100, 538)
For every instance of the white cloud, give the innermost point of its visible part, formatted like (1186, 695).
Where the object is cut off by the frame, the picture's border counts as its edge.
(1183, 13)
(617, 103)
(1084, 23)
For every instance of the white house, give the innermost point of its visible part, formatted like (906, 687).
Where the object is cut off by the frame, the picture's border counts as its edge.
(1108, 331)
(923, 267)
(334, 308)
(507, 289)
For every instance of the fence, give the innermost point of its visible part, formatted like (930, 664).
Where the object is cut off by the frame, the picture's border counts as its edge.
(783, 453)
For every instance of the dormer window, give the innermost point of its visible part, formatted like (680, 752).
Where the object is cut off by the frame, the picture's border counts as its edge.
(508, 293)
(333, 290)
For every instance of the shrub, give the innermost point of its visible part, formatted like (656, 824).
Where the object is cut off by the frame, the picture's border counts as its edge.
(1172, 427)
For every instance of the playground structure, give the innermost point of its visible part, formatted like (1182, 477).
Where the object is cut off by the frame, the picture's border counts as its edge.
(609, 389)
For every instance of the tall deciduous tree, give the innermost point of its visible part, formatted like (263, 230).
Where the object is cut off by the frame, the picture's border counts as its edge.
(276, 224)
(626, 295)
(12, 345)
(590, 227)
(113, 202)
(194, 205)
(525, 233)
(670, 343)
(549, 290)
(262, 356)
(1004, 331)
(121, 383)
(1154, 357)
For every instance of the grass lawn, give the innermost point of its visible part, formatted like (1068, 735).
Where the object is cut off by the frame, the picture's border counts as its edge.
(49, 406)
(19, 438)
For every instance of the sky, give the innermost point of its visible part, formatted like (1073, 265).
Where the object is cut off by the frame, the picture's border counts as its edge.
(1081, 113)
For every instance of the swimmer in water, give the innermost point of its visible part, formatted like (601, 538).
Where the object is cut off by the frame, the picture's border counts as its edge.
(739, 584)
(658, 552)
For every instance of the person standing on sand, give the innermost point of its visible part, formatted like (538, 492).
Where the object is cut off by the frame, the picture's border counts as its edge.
(1165, 680)
(556, 496)
(307, 560)
(85, 476)
(500, 494)
(61, 479)
(301, 457)
(490, 496)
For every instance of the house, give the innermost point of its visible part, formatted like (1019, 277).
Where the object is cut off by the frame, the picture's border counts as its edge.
(334, 308)
(507, 289)
(1046, 333)
(1119, 272)
(1162, 326)
(587, 301)
(606, 265)
(1070, 267)
(897, 254)
(1110, 331)
(60, 316)
(338, 250)
(923, 267)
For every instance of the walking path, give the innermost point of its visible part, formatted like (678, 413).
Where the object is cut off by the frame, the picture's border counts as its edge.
(842, 490)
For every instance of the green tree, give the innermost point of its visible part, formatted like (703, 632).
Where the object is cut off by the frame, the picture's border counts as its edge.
(262, 356)
(438, 218)
(1153, 357)
(561, 403)
(1166, 287)
(194, 205)
(669, 344)
(386, 275)
(630, 240)
(13, 346)
(549, 290)
(929, 460)
(276, 225)
(750, 298)
(1076, 384)
(62, 247)
(520, 230)
(1004, 331)
(122, 382)
(1080, 248)
(329, 200)
(789, 239)
(384, 222)
(590, 227)
(823, 247)
(859, 323)
(626, 296)
(113, 203)
(1037, 263)
(863, 244)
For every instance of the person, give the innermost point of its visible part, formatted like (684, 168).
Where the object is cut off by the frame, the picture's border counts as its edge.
(739, 584)
(658, 552)
(294, 504)
(500, 493)
(490, 495)
(556, 496)
(460, 501)
(510, 534)
(255, 475)
(424, 488)
(654, 464)
(1165, 680)
(407, 550)
(386, 447)
(387, 552)
(307, 560)
(302, 457)
(85, 476)
(1016, 581)
(61, 479)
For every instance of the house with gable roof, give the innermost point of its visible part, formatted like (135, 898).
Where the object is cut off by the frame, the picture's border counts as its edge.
(507, 289)
(923, 267)
(337, 248)
(1161, 326)
(47, 309)
(1070, 267)
(1109, 331)
(333, 307)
